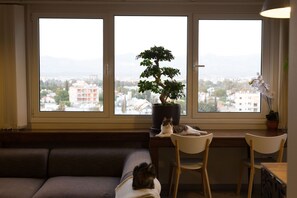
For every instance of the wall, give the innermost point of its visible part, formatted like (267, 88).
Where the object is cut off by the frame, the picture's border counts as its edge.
(292, 126)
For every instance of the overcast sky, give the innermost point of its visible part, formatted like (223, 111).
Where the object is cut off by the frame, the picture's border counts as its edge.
(82, 39)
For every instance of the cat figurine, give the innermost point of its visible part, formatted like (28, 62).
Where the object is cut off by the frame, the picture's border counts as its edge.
(167, 128)
(143, 176)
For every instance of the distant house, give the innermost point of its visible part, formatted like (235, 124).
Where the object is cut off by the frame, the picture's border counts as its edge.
(82, 92)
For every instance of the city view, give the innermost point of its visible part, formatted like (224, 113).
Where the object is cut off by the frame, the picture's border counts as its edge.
(87, 95)
(72, 80)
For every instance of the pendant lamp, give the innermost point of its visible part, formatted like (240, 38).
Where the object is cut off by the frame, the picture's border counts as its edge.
(276, 9)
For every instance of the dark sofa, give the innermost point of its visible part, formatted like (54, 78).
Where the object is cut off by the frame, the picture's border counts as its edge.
(72, 170)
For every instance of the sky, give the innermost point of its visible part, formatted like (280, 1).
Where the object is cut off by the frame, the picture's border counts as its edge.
(82, 39)
(71, 38)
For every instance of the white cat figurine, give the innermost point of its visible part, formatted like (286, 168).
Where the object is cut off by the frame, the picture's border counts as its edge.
(167, 128)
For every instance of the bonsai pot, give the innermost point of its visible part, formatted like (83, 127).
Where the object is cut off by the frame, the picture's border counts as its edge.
(159, 111)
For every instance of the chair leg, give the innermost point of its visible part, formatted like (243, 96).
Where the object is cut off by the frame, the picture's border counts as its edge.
(177, 174)
(206, 181)
(240, 179)
(171, 177)
(251, 182)
(203, 183)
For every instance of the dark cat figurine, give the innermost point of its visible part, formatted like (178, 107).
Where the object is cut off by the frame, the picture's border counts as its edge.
(143, 176)
(167, 128)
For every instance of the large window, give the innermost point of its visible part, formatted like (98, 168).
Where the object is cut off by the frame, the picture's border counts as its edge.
(83, 71)
(229, 52)
(71, 64)
(134, 34)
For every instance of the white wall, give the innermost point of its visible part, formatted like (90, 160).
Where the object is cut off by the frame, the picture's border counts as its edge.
(292, 115)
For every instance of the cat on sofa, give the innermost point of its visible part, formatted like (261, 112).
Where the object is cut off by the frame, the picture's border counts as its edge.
(142, 183)
(143, 176)
(167, 128)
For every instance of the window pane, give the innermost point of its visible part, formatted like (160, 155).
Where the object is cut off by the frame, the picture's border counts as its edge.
(231, 53)
(134, 34)
(71, 64)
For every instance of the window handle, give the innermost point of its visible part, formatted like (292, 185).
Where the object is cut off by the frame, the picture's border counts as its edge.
(195, 66)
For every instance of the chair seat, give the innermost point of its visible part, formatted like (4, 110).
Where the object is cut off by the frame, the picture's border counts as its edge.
(191, 164)
(258, 162)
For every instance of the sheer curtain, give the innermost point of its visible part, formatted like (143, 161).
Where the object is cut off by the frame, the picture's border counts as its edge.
(277, 72)
(283, 73)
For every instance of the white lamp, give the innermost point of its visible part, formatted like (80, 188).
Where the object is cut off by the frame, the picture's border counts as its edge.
(276, 9)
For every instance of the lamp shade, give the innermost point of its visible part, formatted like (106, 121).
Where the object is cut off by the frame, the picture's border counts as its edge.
(276, 9)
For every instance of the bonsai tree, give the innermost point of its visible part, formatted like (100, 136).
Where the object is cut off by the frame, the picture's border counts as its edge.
(163, 82)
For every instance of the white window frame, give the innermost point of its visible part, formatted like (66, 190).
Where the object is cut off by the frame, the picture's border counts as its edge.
(227, 118)
(187, 59)
(107, 119)
(35, 77)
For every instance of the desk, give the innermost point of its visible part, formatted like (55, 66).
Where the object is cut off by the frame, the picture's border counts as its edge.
(221, 138)
(273, 180)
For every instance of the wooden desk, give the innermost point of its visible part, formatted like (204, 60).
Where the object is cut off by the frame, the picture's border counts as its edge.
(274, 180)
(221, 138)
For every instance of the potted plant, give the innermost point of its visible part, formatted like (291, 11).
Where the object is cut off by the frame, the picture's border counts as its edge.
(160, 80)
(272, 118)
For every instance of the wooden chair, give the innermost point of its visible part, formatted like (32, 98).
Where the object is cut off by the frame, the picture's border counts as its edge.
(191, 145)
(263, 145)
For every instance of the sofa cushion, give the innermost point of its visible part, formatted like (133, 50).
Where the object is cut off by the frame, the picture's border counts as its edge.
(19, 187)
(78, 187)
(87, 162)
(17, 162)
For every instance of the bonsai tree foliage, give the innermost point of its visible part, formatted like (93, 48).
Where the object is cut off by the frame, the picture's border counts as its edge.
(159, 79)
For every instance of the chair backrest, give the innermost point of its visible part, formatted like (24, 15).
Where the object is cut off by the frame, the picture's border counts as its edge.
(265, 144)
(191, 144)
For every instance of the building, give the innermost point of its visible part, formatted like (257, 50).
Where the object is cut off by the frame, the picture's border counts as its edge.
(247, 102)
(82, 92)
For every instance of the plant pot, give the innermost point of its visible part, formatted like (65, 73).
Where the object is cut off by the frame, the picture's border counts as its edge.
(272, 125)
(160, 111)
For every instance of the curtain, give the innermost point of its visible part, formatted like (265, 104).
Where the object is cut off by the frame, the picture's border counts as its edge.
(283, 73)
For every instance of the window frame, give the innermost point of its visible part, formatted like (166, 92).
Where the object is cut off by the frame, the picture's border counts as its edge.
(107, 119)
(228, 116)
(187, 60)
(35, 78)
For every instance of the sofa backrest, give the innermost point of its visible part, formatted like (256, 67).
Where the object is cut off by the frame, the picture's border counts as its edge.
(87, 161)
(20, 162)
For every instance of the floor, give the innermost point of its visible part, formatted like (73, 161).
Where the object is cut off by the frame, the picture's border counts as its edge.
(215, 194)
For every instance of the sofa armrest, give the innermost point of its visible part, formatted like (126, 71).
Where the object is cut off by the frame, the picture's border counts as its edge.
(134, 159)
